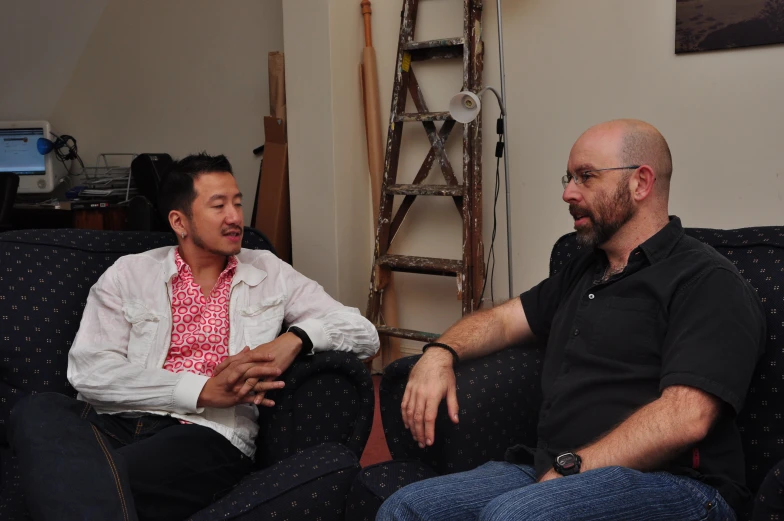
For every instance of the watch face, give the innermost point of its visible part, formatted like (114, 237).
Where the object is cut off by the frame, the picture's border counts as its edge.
(566, 461)
(567, 464)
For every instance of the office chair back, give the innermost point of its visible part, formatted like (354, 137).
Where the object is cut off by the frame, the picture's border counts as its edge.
(9, 184)
(148, 171)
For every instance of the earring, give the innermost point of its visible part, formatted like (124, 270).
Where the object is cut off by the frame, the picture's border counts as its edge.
(182, 234)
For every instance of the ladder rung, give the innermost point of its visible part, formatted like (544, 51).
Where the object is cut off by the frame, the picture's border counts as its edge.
(420, 189)
(442, 43)
(409, 334)
(434, 44)
(423, 265)
(423, 116)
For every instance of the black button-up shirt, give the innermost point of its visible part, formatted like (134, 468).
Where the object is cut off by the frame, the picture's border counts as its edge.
(678, 314)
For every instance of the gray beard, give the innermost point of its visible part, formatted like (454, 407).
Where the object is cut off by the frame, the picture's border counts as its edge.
(610, 216)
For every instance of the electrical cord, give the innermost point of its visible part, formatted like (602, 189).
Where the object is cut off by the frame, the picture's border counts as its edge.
(499, 153)
(70, 153)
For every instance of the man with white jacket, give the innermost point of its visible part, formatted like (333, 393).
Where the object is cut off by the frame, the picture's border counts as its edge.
(176, 348)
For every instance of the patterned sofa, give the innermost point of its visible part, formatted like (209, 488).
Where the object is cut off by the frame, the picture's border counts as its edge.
(499, 395)
(309, 444)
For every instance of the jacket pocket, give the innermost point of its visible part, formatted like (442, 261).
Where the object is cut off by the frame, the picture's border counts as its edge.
(268, 308)
(144, 328)
(262, 321)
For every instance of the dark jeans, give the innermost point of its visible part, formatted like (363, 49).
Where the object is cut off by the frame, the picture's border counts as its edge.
(77, 464)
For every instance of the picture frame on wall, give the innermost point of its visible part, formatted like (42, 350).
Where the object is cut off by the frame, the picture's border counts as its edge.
(709, 25)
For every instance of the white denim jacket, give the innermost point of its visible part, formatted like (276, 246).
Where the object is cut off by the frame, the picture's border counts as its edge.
(116, 361)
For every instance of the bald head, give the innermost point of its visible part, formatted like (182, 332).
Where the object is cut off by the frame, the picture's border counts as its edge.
(644, 145)
(637, 143)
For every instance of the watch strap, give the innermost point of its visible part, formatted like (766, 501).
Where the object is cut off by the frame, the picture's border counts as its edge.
(307, 343)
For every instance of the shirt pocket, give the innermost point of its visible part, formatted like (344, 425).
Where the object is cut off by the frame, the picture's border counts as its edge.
(144, 328)
(262, 321)
(629, 330)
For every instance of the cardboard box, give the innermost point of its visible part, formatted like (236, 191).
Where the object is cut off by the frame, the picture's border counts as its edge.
(273, 213)
(277, 85)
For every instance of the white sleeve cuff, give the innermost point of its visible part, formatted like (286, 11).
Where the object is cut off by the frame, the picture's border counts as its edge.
(315, 330)
(187, 391)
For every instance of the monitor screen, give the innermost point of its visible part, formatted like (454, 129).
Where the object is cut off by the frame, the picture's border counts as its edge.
(19, 151)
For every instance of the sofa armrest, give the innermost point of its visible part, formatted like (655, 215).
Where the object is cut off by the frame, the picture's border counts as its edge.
(328, 397)
(499, 398)
(769, 502)
(312, 484)
(374, 484)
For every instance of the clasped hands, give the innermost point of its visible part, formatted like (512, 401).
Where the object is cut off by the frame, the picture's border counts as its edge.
(247, 376)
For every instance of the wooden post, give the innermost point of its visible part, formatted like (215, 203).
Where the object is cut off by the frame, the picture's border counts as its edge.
(390, 347)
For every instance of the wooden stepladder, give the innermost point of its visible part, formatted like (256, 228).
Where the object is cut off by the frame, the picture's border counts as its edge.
(466, 193)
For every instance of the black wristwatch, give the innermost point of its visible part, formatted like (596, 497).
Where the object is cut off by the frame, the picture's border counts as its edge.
(307, 344)
(567, 464)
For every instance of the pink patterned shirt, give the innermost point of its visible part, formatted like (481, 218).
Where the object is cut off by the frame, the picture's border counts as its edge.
(200, 325)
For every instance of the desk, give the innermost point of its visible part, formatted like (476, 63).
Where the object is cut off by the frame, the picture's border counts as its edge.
(26, 217)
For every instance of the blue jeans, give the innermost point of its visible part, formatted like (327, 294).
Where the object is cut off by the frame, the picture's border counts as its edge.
(504, 491)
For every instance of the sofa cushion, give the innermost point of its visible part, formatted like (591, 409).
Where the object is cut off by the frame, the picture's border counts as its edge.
(45, 277)
(314, 480)
(758, 253)
(309, 485)
(374, 484)
(12, 506)
(769, 503)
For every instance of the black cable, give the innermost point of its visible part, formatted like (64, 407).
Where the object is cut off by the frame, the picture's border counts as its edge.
(495, 226)
(71, 153)
(499, 152)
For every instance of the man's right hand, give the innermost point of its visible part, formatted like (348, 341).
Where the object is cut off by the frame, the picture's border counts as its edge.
(431, 379)
(219, 390)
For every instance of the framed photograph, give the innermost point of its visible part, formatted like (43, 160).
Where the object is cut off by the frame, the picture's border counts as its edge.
(708, 25)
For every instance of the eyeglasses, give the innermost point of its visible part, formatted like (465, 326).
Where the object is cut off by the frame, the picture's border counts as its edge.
(581, 177)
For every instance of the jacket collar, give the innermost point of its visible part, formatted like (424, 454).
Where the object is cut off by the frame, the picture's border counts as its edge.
(247, 273)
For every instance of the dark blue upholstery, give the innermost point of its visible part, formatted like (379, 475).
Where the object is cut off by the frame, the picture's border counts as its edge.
(499, 398)
(308, 485)
(499, 395)
(769, 505)
(377, 482)
(45, 277)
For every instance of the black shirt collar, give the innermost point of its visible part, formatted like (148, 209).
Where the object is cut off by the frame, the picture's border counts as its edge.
(656, 248)
(661, 244)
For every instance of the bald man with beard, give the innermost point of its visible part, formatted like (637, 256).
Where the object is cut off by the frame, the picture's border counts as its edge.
(652, 338)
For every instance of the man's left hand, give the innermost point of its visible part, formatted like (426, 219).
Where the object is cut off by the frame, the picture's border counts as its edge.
(284, 349)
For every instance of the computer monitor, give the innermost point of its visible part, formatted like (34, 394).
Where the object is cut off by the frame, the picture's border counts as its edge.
(19, 154)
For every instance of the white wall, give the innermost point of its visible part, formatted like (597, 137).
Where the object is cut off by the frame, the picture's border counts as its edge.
(352, 198)
(330, 198)
(175, 76)
(569, 65)
(310, 134)
(41, 43)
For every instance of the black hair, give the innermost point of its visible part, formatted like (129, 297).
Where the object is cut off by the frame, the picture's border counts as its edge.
(177, 192)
